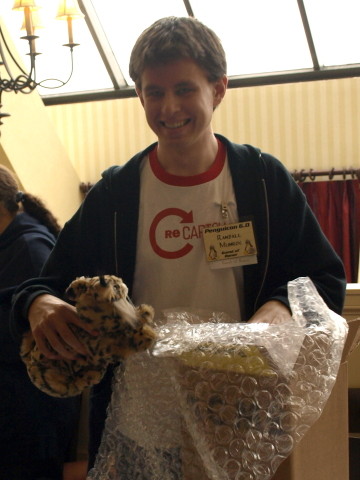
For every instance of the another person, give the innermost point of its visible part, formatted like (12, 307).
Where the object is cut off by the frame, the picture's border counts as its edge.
(145, 221)
(35, 429)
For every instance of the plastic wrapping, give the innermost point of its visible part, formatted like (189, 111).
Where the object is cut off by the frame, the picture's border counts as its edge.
(222, 401)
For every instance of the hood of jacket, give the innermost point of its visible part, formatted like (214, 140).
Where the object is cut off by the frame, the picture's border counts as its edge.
(21, 231)
(23, 224)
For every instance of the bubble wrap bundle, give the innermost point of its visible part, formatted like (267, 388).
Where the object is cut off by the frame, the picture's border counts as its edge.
(222, 401)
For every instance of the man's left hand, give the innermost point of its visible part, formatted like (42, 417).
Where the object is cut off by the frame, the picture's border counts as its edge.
(272, 312)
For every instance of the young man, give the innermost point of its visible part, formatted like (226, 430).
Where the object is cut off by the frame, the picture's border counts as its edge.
(174, 221)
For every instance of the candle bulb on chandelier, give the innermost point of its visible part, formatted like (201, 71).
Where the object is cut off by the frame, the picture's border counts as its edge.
(28, 21)
(69, 10)
(70, 30)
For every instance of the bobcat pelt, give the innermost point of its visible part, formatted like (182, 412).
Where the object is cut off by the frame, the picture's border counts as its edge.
(122, 331)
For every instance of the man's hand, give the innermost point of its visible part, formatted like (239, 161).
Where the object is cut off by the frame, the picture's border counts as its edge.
(272, 312)
(49, 319)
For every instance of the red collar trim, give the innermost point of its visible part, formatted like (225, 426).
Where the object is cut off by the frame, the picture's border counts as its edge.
(180, 181)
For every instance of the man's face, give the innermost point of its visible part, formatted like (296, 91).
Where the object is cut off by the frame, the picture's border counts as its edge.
(179, 101)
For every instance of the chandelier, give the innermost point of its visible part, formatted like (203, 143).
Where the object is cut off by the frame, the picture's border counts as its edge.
(26, 81)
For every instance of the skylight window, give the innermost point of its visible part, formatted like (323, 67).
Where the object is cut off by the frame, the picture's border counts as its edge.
(265, 41)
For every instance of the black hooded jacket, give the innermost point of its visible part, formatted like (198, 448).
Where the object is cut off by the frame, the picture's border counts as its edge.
(24, 247)
(33, 423)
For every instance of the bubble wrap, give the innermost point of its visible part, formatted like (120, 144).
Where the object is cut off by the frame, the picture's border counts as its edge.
(221, 401)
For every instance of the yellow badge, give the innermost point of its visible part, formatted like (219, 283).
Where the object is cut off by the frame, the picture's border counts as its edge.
(230, 245)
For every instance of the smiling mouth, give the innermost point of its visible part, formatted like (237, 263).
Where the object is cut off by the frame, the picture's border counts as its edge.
(173, 126)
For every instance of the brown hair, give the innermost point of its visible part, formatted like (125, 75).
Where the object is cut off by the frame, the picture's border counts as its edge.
(11, 197)
(173, 38)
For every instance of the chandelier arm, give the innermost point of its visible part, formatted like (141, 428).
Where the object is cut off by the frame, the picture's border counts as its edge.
(23, 82)
(19, 84)
(2, 53)
(61, 82)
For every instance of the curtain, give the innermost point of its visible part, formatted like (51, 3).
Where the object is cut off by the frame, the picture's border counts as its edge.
(336, 205)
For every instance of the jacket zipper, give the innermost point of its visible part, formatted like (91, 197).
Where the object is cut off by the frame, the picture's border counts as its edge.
(267, 243)
(115, 245)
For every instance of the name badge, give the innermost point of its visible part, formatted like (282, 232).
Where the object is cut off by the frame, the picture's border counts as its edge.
(230, 245)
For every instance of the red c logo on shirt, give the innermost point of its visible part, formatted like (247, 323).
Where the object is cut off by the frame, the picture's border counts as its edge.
(186, 217)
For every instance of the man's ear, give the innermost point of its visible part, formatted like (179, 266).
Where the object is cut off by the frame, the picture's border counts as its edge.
(220, 87)
(139, 94)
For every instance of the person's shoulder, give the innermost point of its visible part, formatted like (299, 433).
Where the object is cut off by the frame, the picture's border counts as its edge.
(248, 150)
(250, 159)
(241, 149)
(242, 157)
(117, 181)
(130, 168)
(29, 229)
(37, 240)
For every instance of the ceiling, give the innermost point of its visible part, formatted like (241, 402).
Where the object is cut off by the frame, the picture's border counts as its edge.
(266, 42)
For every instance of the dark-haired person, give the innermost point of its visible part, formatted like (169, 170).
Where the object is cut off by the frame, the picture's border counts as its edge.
(146, 221)
(35, 430)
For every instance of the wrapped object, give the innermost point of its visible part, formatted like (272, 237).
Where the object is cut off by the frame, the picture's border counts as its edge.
(222, 401)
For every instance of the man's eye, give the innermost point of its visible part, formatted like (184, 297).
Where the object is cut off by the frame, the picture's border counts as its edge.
(154, 93)
(184, 90)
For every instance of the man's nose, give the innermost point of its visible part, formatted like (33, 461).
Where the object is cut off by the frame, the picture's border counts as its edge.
(170, 104)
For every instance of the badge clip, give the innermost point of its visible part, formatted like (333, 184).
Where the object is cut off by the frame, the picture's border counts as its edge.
(224, 210)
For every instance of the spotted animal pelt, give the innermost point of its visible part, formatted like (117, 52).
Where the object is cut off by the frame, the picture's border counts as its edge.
(122, 330)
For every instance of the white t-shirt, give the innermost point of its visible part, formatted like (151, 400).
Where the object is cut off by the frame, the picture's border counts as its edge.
(172, 270)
